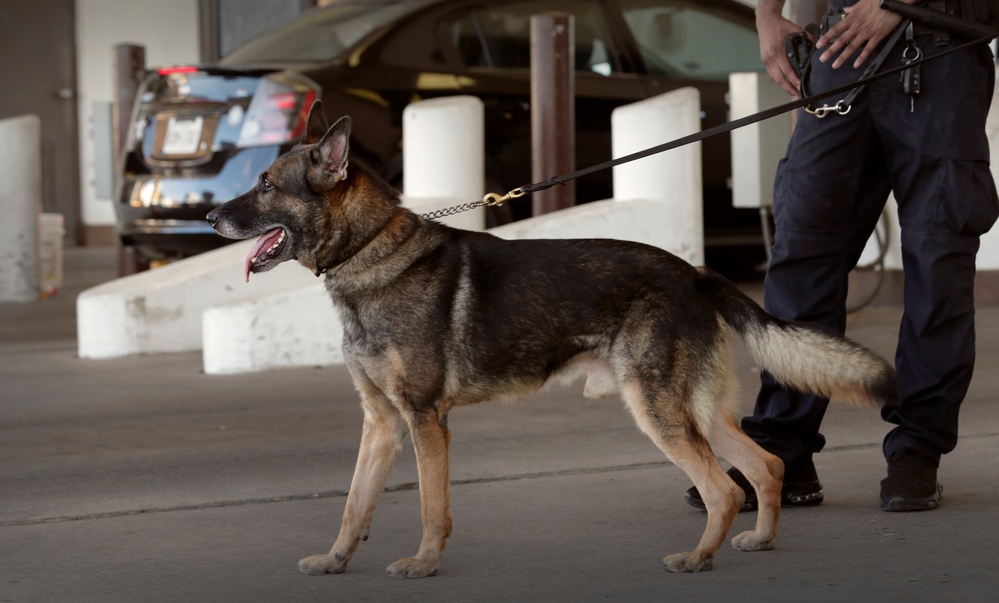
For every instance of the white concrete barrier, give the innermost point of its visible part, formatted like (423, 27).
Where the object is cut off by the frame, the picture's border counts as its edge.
(671, 183)
(756, 148)
(160, 310)
(657, 200)
(444, 157)
(20, 206)
(297, 327)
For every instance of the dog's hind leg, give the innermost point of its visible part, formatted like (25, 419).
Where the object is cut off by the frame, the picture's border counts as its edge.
(674, 433)
(381, 441)
(763, 470)
(431, 439)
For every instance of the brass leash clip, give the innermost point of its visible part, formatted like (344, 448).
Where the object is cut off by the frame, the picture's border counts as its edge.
(495, 199)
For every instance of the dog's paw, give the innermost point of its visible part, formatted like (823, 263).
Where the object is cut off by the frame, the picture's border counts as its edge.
(751, 541)
(412, 567)
(686, 563)
(317, 565)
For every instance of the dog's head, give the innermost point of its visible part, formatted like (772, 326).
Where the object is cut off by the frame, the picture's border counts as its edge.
(292, 201)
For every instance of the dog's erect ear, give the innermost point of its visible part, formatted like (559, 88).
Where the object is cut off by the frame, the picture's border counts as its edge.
(316, 126)
(329, 157)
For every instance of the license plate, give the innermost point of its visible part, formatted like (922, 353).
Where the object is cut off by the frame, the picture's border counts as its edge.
(183, 136)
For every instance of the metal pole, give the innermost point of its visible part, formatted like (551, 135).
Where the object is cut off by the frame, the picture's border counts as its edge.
(553, 114)
(129, 68)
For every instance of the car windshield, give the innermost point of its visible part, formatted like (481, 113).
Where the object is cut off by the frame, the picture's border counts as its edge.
(322, 35)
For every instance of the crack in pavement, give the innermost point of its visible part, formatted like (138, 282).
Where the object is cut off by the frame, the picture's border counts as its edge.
(403, 487)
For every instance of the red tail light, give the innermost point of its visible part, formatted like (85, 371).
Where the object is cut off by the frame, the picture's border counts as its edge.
(176, 69)
(278, 111)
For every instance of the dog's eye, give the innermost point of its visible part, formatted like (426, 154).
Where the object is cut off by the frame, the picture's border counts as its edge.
(266, 185)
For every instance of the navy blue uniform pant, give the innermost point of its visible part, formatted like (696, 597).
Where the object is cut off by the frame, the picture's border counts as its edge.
(830, 190)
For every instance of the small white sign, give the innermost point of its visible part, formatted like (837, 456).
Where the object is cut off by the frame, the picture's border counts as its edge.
(183, 135)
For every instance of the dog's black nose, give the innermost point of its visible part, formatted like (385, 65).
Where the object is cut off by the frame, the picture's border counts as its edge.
(213, 216)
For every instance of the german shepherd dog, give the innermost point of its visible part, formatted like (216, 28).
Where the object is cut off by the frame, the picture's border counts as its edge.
(435, 317)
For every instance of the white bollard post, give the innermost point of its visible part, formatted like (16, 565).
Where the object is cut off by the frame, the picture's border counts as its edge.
(20, 206)
(672, 178)
(756, 148)
(444, 157)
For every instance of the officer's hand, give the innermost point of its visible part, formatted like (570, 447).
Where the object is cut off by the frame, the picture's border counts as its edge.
(773, 28)
(865, 27)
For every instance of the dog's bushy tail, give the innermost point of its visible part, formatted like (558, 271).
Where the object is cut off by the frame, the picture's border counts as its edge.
(802, 356)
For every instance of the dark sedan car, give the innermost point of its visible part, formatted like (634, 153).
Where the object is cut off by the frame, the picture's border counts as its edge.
(203, 133)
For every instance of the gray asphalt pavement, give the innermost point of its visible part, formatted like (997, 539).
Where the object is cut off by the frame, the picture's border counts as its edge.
(142, 479)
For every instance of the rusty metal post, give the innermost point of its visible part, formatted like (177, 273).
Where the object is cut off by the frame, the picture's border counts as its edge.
(553, 113)
(129, 69)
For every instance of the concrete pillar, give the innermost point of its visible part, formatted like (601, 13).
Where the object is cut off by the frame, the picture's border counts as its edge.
(672, 178)
(443, 162)
(756, 148)
(20, 205)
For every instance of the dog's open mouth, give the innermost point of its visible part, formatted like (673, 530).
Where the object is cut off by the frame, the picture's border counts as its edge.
(263, 253)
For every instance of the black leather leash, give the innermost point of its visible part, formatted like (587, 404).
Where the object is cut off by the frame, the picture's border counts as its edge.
(732, 125)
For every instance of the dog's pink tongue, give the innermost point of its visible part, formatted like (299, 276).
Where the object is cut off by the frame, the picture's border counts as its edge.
(264, 242)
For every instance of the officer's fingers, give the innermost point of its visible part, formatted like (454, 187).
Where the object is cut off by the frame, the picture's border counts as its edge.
(830, 35)
(867, 51)
(790, 77)
(844, 47)
(784, 78)
(778, 68)
(847, 52)
(834, 48)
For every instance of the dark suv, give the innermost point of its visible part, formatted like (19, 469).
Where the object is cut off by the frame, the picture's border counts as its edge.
(201, 134)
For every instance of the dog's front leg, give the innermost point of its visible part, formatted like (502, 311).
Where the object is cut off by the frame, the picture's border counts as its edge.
(381, 441)
(431, 439)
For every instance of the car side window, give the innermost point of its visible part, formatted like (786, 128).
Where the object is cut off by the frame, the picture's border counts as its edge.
(686, 39)
(499, 36)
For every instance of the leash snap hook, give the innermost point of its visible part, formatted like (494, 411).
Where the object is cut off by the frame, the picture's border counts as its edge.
(840, 108)
(496, 200)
